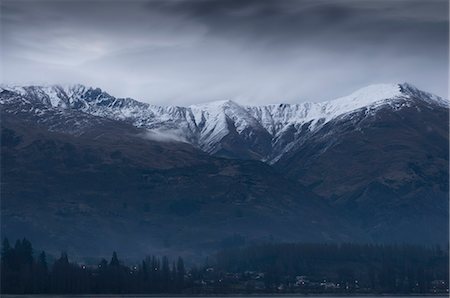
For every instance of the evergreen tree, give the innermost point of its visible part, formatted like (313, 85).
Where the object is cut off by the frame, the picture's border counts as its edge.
(61, 277)
(116, 275)
(165, 274)
(181, 271)
(42, 261)
(101, 284)
(114, 260)
(6, 251)
(6, 267)
(41, 274)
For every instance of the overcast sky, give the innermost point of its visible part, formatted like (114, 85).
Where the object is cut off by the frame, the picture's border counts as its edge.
(252, 51)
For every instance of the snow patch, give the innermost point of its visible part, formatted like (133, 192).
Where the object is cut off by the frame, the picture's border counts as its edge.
(205, 125)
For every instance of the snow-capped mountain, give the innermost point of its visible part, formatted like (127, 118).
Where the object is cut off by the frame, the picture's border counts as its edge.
(371, 166)
(223, 128)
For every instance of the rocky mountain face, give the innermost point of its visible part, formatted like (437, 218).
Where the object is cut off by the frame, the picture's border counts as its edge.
(225, 128)
(386, 171)
(90, 172)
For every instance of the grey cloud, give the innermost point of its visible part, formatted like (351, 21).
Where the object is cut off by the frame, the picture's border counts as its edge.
(254, 51)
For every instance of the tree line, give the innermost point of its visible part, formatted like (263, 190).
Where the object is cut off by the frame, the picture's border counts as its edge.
(373, 268)
(23, 273)
(263, 268)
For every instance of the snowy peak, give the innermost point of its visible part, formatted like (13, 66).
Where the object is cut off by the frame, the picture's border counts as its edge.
(373, 93)
(276, 117)
(216, 120)
(413, 92)
(367, 96)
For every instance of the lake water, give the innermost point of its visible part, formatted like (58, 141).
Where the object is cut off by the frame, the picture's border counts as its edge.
(217, 296)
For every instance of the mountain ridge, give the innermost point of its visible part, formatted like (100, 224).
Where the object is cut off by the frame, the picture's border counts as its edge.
(260, 131)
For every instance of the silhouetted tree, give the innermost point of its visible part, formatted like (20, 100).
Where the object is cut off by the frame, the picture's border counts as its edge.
(114, 260)
(181, 271)
(41, 274)
(356, 268)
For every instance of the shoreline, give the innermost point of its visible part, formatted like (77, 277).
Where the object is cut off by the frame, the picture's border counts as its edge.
(222, 295)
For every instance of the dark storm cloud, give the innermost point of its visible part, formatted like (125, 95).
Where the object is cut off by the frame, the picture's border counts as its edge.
(250, 50)
(288, 22)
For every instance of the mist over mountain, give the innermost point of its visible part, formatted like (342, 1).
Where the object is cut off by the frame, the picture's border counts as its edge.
(88, 172)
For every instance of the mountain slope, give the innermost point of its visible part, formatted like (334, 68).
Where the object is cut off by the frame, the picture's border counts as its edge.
(372, 166)
(386, 171)
(104, 185)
